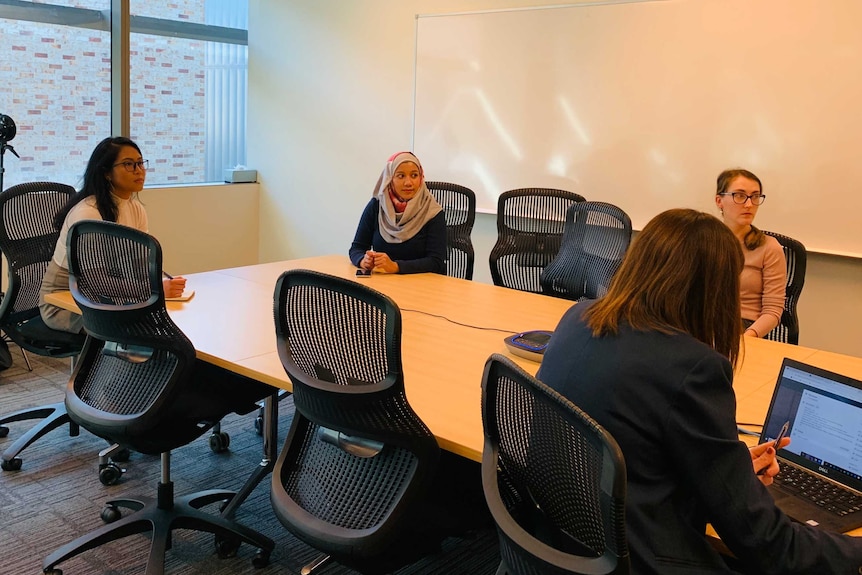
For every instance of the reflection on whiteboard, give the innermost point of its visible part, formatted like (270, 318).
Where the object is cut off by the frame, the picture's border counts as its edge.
(642, 104)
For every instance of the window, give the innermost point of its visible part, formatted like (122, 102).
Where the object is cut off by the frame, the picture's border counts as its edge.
(57, 89)
(187, 86)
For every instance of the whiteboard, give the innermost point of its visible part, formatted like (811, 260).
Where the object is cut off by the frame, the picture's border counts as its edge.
(642, 104)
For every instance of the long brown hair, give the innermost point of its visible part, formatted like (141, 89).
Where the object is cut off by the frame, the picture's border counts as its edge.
(680, 274)
(755, 237)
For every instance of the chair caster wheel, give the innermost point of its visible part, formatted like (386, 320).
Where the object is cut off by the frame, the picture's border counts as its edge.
(258, 425)
(219, 442)
(122, 455)
(4, 431)
(226, 547)
(13, 464)
(260, 559)
(52, 572)
(110, 513)
(110, 474)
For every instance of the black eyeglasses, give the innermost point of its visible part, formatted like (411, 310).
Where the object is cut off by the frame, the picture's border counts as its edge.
(741, 197)
(130, 166)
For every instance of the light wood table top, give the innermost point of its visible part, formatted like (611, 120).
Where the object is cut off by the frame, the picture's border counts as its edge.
(755, 379)
(230, 321)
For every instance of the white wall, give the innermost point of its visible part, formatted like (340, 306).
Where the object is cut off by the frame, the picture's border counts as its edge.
(331, 97)
(200, 227)
(205, 227)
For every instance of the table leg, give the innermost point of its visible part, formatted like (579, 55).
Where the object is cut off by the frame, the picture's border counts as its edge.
(270, 453)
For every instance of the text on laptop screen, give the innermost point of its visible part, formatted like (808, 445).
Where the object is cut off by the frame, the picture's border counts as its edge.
(825, 418)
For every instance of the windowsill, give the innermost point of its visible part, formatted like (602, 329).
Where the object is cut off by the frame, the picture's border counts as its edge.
(197, 185)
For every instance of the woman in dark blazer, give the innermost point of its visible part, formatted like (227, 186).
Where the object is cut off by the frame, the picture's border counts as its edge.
(653, 363)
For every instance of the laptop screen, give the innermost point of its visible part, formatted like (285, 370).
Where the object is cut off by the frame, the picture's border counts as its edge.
(825, 414)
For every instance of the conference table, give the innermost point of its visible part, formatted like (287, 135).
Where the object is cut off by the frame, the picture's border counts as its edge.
(450, 328)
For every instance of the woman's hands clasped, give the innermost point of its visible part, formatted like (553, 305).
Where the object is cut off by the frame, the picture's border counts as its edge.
(379, 262)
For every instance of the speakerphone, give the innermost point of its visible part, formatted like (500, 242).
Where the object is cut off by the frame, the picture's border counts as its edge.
(529, 344)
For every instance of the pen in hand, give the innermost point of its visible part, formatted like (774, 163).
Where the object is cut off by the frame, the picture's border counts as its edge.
(174, 286)
(776, 445)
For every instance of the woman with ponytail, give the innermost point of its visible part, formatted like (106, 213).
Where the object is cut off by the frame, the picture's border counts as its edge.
(738, 195)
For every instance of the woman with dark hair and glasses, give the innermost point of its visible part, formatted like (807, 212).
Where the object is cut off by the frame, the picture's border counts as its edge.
(114, 175)
(652, 362)
(738, 194)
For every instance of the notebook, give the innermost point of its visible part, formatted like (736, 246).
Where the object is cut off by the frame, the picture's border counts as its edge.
(186, 296)
(820, 482)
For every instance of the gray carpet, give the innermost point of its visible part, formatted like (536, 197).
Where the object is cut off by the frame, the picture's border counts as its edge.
(57, 496)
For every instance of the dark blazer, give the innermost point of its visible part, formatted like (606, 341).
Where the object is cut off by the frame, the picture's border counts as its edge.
(424, 252)
(668, 401)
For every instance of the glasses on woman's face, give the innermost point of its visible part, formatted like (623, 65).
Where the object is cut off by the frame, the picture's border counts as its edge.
(742, 197)
(130, 165)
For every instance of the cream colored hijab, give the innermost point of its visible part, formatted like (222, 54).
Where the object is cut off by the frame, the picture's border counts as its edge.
(397, 228)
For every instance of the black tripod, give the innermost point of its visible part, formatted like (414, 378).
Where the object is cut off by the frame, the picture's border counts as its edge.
(7, 132)
(3, 147)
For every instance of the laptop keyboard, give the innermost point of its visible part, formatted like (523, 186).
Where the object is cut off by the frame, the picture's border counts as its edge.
(822, 493)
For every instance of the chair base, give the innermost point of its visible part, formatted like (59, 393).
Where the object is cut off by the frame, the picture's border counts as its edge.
(161, 516)
(53, 416)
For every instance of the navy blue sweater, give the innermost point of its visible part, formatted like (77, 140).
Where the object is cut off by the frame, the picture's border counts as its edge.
(424, 252)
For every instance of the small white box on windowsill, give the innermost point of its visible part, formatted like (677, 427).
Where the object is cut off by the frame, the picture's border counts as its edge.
(239, 175)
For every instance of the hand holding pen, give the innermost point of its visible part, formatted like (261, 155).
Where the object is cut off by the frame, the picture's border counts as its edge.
(763, 456)
(379, 262)
(367, 261)
(173, 286)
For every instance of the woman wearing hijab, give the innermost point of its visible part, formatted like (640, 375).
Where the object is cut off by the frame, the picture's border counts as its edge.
(402, 229)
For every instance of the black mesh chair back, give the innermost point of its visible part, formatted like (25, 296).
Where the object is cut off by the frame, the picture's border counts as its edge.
(128, 383)
(28, 239)
(787, 330)
(530, 224)
(595, 240)
(554, 479)
(459, 207)
(357, 459)
(137, 383)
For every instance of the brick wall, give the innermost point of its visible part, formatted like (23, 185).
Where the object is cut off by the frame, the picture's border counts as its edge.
(57, 84)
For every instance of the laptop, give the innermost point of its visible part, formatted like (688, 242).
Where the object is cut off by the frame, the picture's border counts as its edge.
(820, 482)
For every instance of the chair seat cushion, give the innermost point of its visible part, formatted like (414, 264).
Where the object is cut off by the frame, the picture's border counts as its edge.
(34, 336)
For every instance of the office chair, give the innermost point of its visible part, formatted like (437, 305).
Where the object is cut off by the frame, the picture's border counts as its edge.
(554, 479)
(530, 225)
(356, 466)
(787, 330)
(27, 239)
(595, 239)
(139, 384)
(459, 207)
